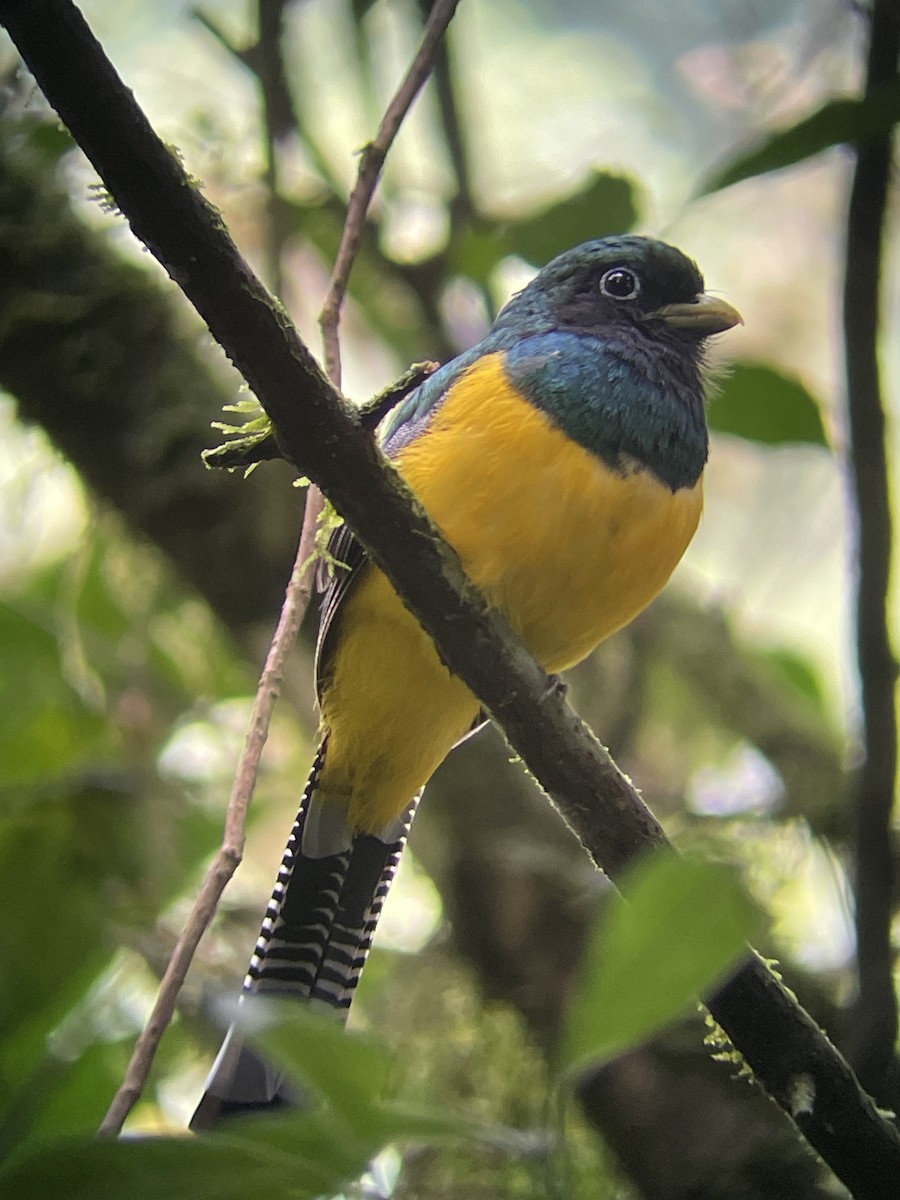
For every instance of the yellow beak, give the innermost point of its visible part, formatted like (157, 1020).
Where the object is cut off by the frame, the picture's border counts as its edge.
(705, 315)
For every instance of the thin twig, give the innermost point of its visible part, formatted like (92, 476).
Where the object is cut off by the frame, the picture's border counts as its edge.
(253, 57)
(462, 206)
(420, 277)
(371, 162)
(297, 597)
(263, 58)
(229, 856)
(873, 1032)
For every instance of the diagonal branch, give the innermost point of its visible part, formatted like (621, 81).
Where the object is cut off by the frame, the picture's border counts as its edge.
(323, 436)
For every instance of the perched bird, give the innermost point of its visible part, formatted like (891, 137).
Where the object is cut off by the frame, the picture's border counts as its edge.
(562, 458)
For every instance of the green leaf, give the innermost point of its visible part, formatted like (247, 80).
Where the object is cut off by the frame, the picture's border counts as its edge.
(800, 675)
(477, 249)
(70, 1092)
(350, 1072)
(347, 1070)
(605, 205)
(839, 121)
(50, 137)
(304, 1155)
(315, 1137)
(762, 405)
(427, 1126)
(46, 727)
(262, 1158)
(312, 1152)
(52, 886)
(676, 930)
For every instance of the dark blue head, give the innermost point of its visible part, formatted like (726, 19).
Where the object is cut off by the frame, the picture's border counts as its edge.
(627, 283)
(608, 340)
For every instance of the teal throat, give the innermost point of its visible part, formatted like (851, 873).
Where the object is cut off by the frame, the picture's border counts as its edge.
(618, 401)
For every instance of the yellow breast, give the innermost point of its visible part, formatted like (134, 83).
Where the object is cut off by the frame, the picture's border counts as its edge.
(569, 549)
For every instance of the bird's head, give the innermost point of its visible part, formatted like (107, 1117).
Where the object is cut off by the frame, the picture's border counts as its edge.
(626, 282)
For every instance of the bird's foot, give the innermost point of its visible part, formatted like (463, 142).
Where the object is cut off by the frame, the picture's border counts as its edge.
(556, 686)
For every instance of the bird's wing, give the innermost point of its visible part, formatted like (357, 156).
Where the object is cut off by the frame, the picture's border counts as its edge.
(339, 573)
(347, 559)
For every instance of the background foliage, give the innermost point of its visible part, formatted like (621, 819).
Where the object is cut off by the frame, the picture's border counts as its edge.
(136, 591)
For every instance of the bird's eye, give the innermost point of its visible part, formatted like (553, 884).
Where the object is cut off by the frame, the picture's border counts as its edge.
(620, 284)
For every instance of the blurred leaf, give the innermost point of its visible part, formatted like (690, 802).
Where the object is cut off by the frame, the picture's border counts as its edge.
(678, 928)
(263, 1159)
(50, 137)
(100, 653)
(315, 1136)
(401, 1123)
(75, 641)
(56, 853)
(351, 1073)
(46, 727)
(360, 8)
(605, 205)
(345, 1069)
(74, 1093)
(477, 250)
(800, 675)
(175, 648)
(839, 121)
(304, 1155)
(311, 1152)
(762, 405)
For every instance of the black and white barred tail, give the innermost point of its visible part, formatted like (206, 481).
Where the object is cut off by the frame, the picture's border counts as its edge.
(314, 939)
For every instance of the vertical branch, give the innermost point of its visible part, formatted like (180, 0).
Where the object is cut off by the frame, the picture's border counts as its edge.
(371, 162)
(462, 207)
(278, 123)
(875, 1014)
(265, 61)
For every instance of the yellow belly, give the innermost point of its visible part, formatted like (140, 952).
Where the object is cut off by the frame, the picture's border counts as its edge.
(569, 550)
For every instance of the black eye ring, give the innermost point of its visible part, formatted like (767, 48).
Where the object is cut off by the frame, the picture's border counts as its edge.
(620, 284)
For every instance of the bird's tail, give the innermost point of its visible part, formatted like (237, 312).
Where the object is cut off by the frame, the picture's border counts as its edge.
(314, 939)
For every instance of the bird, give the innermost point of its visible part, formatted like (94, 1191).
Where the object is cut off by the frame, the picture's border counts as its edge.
(562, 458)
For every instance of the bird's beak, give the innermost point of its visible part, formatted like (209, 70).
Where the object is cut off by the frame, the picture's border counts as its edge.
(705, 315)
